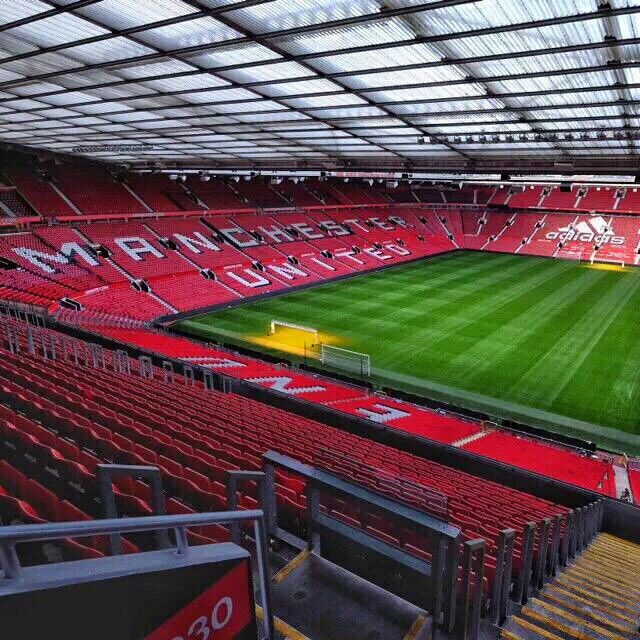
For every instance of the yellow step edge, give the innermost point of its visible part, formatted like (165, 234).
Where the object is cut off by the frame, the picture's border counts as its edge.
(558, 626)
(632, 551)
(589, 614)
(615, 550)
(595, 601)
(618, 541)
(289, 568)
(416, 628)
(612, 557)
(529, 626)
(282, 627)
(597, 587)
(577, 620)
(509, 635)
(597, 570)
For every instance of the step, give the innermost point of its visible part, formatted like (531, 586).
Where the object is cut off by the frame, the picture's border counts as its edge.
(568, 624)
(324, 602)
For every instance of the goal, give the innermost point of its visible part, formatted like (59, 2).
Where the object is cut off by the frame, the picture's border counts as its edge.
(289, 331)
(346, 360)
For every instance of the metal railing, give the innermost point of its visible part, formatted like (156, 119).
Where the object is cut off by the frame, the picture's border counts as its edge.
(440, 573)
(10, 536)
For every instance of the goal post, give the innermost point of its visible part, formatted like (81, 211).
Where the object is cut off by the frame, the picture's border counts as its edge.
(289, 328)
(346, 360)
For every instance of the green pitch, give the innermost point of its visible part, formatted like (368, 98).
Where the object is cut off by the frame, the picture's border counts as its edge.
(552, 343)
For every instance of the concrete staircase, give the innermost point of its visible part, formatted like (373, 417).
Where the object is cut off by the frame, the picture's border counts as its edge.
(596, 598)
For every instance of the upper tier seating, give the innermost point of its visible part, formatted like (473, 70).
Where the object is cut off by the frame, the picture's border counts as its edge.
(218, 195)
(298, 194)
(529, 197)
(153, 190)
(500, 196)
(260, 194)
(598, 199)
(95, 191)
(561, 200)
(39, 193)
(631, 201)
(13, 204)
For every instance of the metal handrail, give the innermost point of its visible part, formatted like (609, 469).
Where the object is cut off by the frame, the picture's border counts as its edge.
(12, 535)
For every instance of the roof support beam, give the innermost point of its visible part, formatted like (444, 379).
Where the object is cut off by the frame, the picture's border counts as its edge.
(183, 51)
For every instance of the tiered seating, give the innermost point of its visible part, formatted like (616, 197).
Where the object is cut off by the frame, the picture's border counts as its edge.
(22, 286)
(93, 190)
(25, 501)
(193, 436)
(260, 194)
(12, 200)
(494, 225)
(39, 193)
(269, 228)
(598, 199)
(123, 301)
(153, 189)
(298, 194)
(354, 193)
(528, 198)
(500, 196)
(151, 258)
(546, 239)
(57, 237)
(471, 223)
(621, 240)
(631, 201)
(218, 195)
(195, 241)
(522, 228)
(191, 291)
(561, 200)
(546, 460)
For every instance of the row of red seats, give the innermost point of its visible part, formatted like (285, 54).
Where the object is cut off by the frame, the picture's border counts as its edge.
(59, 262)
(550, 461)
(482, 503)
(634, 481)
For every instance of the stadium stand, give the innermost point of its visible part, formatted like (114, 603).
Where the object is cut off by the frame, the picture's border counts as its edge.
(137, 420)
(96, 192)
(630, 203)
(153, 190)
(13, 204)
(529, 197)
(598, 199)
(39, 193)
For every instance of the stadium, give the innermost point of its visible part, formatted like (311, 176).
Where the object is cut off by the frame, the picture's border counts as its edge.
(320, 320)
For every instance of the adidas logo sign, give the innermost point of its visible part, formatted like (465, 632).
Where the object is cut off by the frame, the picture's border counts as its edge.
(592, 230)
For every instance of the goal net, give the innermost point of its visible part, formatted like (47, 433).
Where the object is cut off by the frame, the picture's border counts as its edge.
(346, 360)
(287, 330)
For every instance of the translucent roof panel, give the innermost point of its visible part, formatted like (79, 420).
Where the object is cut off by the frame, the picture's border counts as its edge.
(268, 81)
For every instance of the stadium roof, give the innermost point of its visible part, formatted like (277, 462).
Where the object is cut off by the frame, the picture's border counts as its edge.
(323, 82)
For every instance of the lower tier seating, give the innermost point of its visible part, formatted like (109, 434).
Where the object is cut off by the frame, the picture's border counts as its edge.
(194, 436)
(546, 460)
